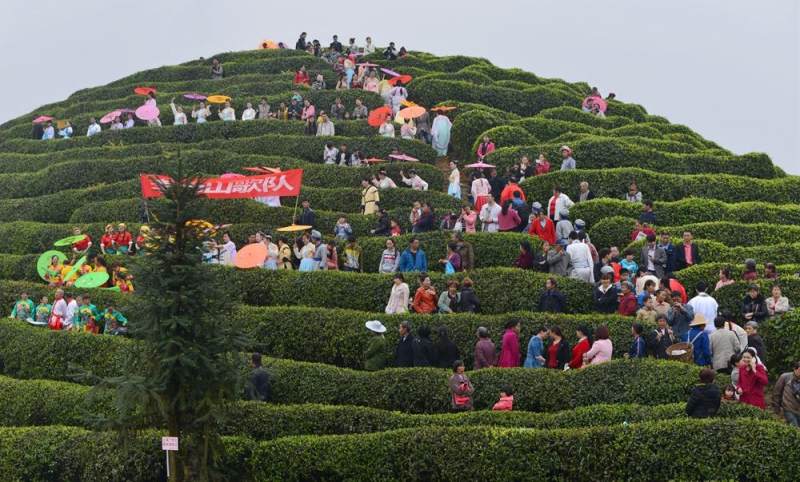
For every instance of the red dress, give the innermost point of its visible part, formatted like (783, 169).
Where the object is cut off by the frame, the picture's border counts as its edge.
(82, 245)
(752, 385)
(546, 233)
(301, 78)
(577, 353)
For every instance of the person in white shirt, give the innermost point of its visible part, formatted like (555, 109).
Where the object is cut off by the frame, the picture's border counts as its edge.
(383, 181)
(227, 255)
(490, 212)
(557, 203)
(227, 114)
(59, 311)
(580, 257)
(325, 126)
(201, 113)
(94, 128)
(66, 132)
(72, 308)
(414, 180)
(387, 128)
(705, 305)
(249, 113)
(49, 132)
(129, 123)
(369, 48)
(330, 153)
(177, 113)
(116, 124)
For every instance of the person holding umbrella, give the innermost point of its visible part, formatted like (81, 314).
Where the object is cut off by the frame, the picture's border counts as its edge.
(387, 128)
(440, 133)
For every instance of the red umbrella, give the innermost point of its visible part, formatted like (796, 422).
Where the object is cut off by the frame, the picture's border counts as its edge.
(144, 90)
(374, 160)
(378, 116)
(42, 118)
(403, 78)
(443, 108)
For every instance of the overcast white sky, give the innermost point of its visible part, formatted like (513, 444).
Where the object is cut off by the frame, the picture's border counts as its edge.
(729, 69)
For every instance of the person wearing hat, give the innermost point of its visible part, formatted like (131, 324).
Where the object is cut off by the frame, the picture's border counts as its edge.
(698, 338)
(542, 226)
(564, 226)
(557, 203)
(568, 163)
(375, 354)
(320, 251)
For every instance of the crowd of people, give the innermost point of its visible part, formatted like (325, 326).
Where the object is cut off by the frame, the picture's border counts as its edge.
(70, 312)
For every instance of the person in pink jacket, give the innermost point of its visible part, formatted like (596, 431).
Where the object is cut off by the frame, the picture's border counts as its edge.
(506, 402)
(601, 350)
(509, 350)
(485, 148)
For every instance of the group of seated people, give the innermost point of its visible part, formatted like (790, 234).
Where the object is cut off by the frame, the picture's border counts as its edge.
(58, 274)
(69, 312)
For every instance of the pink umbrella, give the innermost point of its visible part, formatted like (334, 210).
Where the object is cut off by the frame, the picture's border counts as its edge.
(480, 165)
(42, 118)
(390, 72)
(403, 157)
(110, 116)
(147, 112)
(231, 175)
(194, 96)
(601, 104)
(368, 64)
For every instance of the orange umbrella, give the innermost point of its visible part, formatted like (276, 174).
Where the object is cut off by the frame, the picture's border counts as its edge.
(402, 78)
(378, 116)
(268, 45)
(374, 160)
(443, 108)
(144, 90)
(251, 256)
(412, 112)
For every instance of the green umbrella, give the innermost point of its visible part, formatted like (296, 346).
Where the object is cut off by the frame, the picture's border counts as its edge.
(44, 261)
(69, 241)
(75, 268)
(92, 280)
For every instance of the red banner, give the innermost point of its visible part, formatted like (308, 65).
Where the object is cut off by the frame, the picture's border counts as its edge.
(283, 183)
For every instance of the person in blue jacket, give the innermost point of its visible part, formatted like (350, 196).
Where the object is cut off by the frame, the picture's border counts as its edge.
(698, 337)
(638, 347)
(413, 258)
(535, 355)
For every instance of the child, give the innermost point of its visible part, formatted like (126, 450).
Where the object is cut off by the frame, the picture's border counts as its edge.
(115, 322)
(624, 277)
(506, 402)
(53, 273)
(43, 310)
(647, 313)
(628, 263)
(730, 395)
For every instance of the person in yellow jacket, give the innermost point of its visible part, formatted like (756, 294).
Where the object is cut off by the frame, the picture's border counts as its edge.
(369, 197)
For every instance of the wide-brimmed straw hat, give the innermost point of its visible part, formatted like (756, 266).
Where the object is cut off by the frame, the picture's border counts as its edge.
(698, 320)
(566, 148)
(376, 326)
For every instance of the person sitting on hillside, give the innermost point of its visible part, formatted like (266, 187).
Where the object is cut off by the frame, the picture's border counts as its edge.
(408, 131)
(301, 77)
(750, 273)
(551, 299)
(641, 231)
(725, 278)
(390, 53)
(387, 128)
(568, 163)
(319, 83)
(94, 128)
(450, 298)
(506, 401)
(201, 113)
(330, 153)
(122, 239)
(360, 111)
(216, 70)
(116, 124)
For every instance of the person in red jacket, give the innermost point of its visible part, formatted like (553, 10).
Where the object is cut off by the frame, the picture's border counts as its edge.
(123, 240)
(507, 194)
(752, 379)
(485, 148)
(543, 227)
(301, 77)
(506, 402)
(627, 303)
(583, 346)
(81, 247)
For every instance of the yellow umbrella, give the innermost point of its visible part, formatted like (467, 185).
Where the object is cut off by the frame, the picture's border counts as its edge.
(294, 228)
(268, 45)
(218, 99)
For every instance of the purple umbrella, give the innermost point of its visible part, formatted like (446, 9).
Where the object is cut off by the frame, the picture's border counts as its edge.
(390, 72)
(194, 96)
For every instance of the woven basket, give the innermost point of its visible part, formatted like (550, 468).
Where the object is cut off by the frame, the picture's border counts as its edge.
(680, 352)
